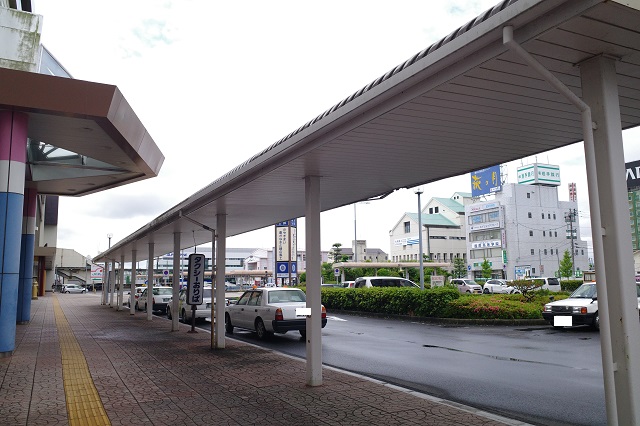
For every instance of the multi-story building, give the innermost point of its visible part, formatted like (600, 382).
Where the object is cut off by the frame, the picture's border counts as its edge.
(634, 217)
(524, 231)
(443, 231)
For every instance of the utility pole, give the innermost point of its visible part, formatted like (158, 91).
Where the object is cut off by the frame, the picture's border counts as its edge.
(571, 217)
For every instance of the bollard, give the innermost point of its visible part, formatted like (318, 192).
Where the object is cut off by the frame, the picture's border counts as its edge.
(34, 290)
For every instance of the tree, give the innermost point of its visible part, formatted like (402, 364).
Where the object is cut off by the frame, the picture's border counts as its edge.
(459, 268)
(336, 252)
(486, 268)
(566, 265)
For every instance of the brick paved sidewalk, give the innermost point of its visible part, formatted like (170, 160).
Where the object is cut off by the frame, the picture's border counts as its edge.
(144, 373)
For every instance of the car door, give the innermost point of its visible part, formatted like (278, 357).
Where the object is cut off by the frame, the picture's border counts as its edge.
(253, 308)
(238, 312)
(142, 299)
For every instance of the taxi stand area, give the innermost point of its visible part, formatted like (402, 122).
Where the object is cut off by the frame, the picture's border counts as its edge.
(601, 129)
(312, 238)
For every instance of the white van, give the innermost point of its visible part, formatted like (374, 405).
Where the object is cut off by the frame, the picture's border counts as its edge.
(366, 282)
(549, 283)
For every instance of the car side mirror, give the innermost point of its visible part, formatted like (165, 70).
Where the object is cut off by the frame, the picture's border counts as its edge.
(594, 298)
(551, 298)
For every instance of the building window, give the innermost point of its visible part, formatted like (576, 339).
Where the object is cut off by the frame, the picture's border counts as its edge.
(444, 257)
(548, 215)
(551, 251)
(430, 210)
(531, 233)
(550, 234)
(554, 215)
(544, 233)
(529, 214)
(543, 215)
(556, 233)
(435, 209)
(533, 251)
(528, 195)
(407, 227)
(533, 271)
(545, 252)
(582, 252)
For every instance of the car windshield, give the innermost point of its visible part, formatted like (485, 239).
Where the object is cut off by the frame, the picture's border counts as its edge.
(470, 282)
(279, 296)
(164, 291)
(585, 291)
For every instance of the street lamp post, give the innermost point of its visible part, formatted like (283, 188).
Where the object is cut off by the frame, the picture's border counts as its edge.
(419, 191)
(355, 234)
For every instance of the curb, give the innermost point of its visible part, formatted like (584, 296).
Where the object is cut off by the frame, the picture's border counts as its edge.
(446, 321)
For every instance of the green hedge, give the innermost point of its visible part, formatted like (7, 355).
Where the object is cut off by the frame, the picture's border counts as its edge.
(395, 301)
(442, 302)
(570, 285)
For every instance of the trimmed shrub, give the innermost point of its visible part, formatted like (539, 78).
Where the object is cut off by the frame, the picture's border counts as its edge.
(570, 285)
(393, 301)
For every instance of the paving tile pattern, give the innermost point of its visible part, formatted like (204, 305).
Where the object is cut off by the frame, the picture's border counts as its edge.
(147, 374)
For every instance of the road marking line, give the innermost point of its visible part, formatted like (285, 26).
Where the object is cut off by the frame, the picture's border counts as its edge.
(84, 406)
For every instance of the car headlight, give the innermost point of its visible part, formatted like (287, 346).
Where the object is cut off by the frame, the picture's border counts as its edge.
(547, 308)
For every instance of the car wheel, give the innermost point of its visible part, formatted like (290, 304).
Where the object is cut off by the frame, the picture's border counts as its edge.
(67, 291)
(485, 291)
(596, 321)
(169, 313)
(227, 323)
(468, 291)
(303, 334)
(83, 291)
(263, 334)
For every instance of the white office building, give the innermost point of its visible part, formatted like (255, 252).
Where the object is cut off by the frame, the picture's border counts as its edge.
(524, 231)
(443, 231)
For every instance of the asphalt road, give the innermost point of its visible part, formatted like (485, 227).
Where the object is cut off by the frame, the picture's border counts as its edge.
(534, 374)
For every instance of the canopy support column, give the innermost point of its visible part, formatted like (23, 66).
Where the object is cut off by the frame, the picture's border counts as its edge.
(177, 274)
(314, 256)
(121, 287)
(220, 242)
(600, 91)
(134, 273)
(150, 283)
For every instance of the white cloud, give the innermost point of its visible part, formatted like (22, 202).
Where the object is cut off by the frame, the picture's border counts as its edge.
(227, 79)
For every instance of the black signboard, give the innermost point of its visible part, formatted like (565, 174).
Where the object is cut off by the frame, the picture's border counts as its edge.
(195, 279)
(633, 174)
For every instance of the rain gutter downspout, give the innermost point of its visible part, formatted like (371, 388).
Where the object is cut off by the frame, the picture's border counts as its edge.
(596, 225)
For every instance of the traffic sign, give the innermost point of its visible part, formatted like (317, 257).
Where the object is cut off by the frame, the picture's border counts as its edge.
(336, 272)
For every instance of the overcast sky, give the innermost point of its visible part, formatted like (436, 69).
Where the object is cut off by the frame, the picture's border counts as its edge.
(216, 82)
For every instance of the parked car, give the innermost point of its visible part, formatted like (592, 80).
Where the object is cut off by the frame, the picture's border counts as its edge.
(581, 308)
(203, 310)
(497, 285)
(348, 284)
(136, 293)
(367, 282)
(73, 288)
(332, 285)
(548, 283)
(269, 310)
(466, 285)
(159, 298)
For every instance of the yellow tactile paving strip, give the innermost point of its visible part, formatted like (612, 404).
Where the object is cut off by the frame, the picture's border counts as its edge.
(84, 406)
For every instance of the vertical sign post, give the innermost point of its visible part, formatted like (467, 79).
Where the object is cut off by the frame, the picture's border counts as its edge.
(286, 250)
(195, 284)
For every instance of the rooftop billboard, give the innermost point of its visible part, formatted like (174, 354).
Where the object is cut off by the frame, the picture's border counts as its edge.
(486, 181)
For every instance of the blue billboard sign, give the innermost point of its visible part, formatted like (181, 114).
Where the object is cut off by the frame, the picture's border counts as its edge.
(486, 181)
